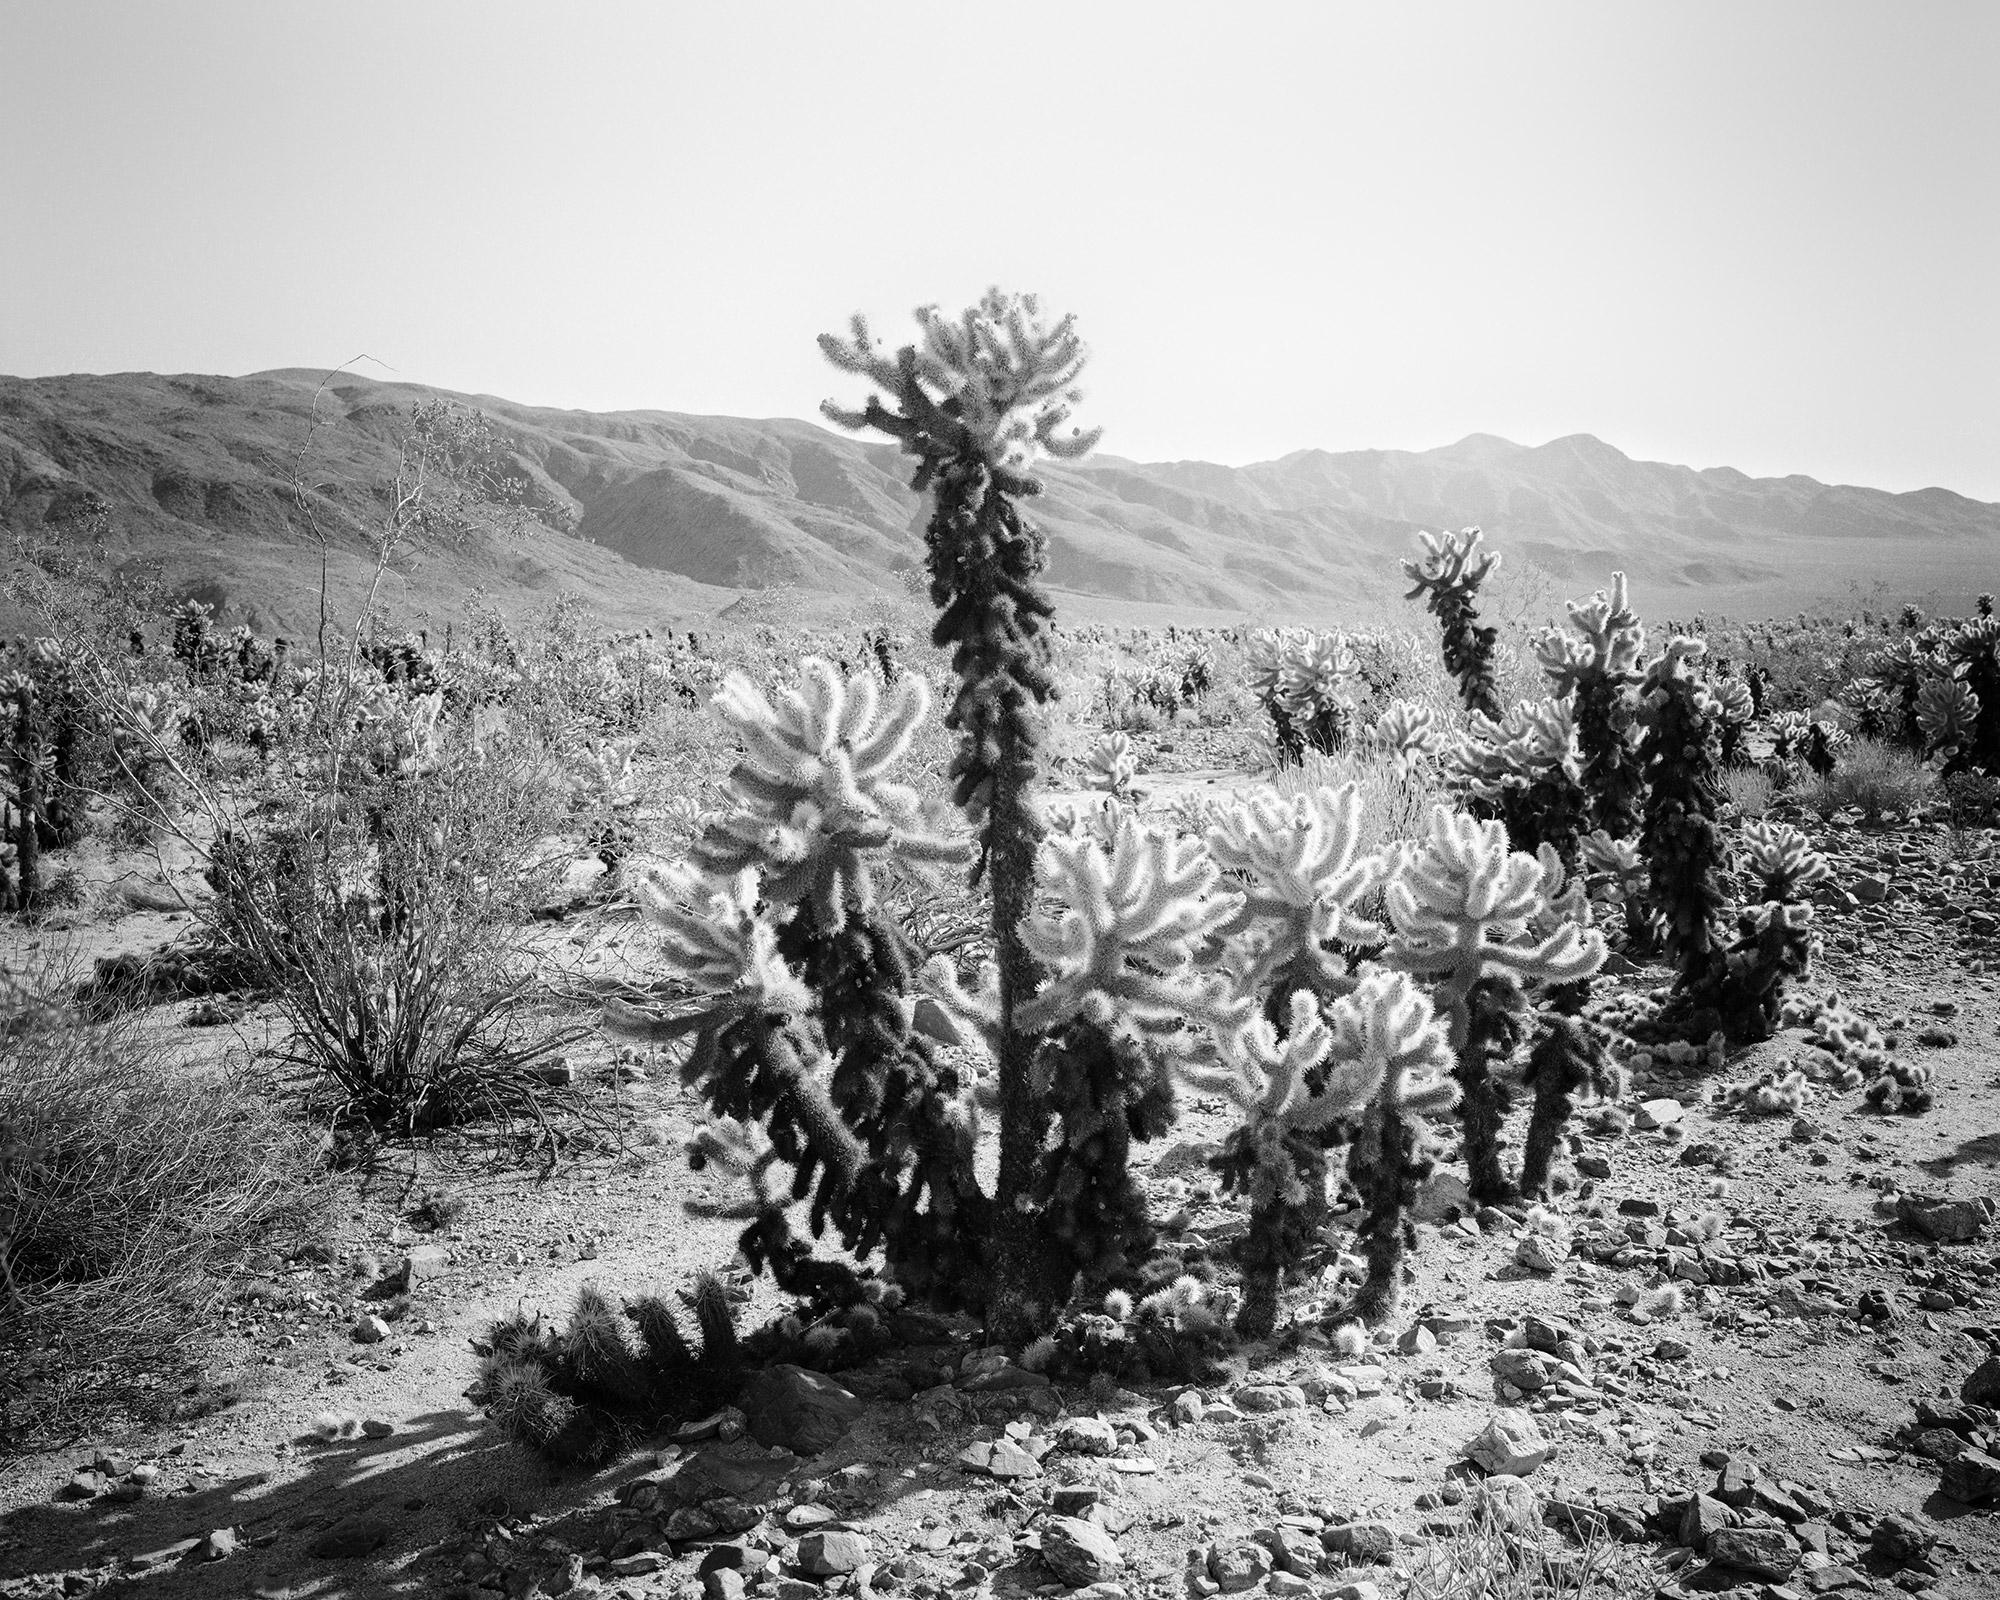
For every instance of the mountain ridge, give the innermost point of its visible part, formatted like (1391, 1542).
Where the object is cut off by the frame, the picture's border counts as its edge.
(657, 516)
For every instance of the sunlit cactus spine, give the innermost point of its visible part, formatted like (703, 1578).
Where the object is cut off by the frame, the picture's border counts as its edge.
(1301, 1093)
(1395, 1140)
(1598, 668)
(1477, 919)
(976, 400)
(1447, 579)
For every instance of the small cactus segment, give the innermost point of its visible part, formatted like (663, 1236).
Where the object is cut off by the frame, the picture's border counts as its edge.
(1447, 579)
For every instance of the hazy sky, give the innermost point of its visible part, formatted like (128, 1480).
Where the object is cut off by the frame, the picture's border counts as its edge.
(1755, 234)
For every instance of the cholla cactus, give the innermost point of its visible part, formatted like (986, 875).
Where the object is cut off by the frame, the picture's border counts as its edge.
(1948, 713)
(611, 791)
(1448, 579)
(1111, 766)
(1392, 1151)
(1526, 771)
(713, 935)
(1616, 875)
(813, 802)
(1680, 840)
(1734, 712)
(975, 402)
(1408, 734)
(1780, 862)
(1471, 914)
(578, 1394)
(1798, 737)
(1124, 984)
(1300, 1094)
(1304, 880)
(1567, 1063)
(1305, 682)
(1597, 672)
(1315, 689)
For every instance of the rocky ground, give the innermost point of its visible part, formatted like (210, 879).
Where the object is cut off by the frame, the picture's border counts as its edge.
(1743, 1352)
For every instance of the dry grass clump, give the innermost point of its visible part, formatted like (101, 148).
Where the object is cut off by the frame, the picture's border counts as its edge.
(129, 1187)
(1750, 790)
(1396, 798)
(1873, 778)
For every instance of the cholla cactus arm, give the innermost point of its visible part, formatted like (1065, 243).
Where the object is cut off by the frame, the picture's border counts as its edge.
(1463, 906)
(1303, 878)
(1408, 733)
(712, 935)
(1391, 1153)
(1111, 765)
(1123, 953)
(1616, 874)
(1779, 862)
(1448, 579)
(813, 804)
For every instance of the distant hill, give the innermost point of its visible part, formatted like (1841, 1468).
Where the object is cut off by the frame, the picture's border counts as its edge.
(667, 518)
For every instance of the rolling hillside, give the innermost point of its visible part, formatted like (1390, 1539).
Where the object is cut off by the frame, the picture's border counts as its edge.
(657, 517)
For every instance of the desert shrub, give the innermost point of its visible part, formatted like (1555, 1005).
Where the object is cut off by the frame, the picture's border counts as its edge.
(130, 1185)
(1973, 799)
(388, 923)
(1750, 790)
(1874, 778)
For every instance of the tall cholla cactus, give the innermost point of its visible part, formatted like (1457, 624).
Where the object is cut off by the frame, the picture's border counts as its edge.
(1617, 876)
(1394, 1142)
(1448, 579)
(1127, 1001)
(1597, 669)
(1303, 878)
(1683, 846)
(1525, 771)
(1300, 1093)
(808, 1027)
(976, 402)
(1476, 917)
